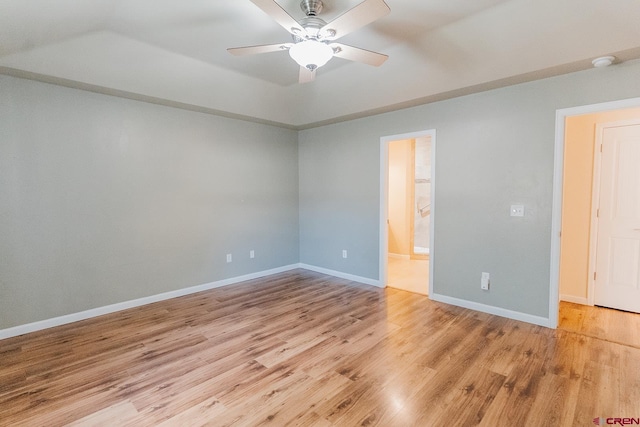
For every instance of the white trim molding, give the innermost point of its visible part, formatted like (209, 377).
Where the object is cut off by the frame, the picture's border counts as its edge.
(99, 311)
(341, 275)
(490, 309)
(574, 299)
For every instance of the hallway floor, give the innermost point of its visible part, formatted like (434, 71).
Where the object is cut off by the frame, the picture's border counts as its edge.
(408, 275)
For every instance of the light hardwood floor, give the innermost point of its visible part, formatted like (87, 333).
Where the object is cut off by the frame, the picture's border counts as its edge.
(301, 348)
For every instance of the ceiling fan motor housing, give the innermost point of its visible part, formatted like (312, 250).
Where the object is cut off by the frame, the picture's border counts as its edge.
(311, 7)
(312, 26)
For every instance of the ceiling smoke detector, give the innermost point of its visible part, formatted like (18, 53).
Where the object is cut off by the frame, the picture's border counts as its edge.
(603, 61)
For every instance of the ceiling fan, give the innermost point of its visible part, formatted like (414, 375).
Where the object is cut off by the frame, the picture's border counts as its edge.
(313, 39)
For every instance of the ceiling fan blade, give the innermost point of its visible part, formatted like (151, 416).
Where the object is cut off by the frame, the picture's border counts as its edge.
(359, 55)
(306, 75)
(274, 10)
(357, 17)
(265, 48)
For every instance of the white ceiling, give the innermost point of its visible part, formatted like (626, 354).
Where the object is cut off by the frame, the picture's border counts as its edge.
(174, 51)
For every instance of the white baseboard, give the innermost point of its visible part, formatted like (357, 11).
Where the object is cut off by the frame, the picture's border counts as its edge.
(87, 314)
(342, 275)
(95, 312)
(502, 312)
(574, 299)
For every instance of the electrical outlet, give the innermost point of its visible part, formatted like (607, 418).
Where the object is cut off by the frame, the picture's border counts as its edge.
(517, 210)
(344, 253)
(229, 258)
(252, 254)
(484, 281)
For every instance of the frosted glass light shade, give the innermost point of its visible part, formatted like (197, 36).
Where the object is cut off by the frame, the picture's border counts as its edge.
(311, 53)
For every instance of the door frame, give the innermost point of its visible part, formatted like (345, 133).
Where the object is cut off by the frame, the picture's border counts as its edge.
(384, 201)
(556, 206)
(412, 197)
(595, 201)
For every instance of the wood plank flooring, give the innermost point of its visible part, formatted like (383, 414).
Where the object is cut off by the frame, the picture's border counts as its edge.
(305, 349)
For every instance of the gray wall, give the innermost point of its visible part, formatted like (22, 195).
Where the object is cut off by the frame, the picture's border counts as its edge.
(104, 200)
(493, 149)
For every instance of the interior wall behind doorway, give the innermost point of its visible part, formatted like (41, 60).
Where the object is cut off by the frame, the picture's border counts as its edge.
(422, 197)
(400, 182)
(576, 202)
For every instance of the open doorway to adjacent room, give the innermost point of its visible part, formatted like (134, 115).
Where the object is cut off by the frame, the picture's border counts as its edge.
(597, 218)
(407, 211)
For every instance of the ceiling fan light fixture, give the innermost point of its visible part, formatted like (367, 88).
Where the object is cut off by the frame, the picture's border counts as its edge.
(314, 38)
(311, 54)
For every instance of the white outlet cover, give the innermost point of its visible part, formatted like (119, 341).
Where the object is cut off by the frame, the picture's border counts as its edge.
(517, 210)
(485, 280)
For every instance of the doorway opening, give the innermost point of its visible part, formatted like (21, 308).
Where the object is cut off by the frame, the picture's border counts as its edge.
(406, 211)
(576, 201)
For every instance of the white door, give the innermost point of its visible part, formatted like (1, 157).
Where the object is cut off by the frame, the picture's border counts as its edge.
(617, 278)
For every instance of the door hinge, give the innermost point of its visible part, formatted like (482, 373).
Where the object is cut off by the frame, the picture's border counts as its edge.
(598, 213)
(594, 275)
(601, 148)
